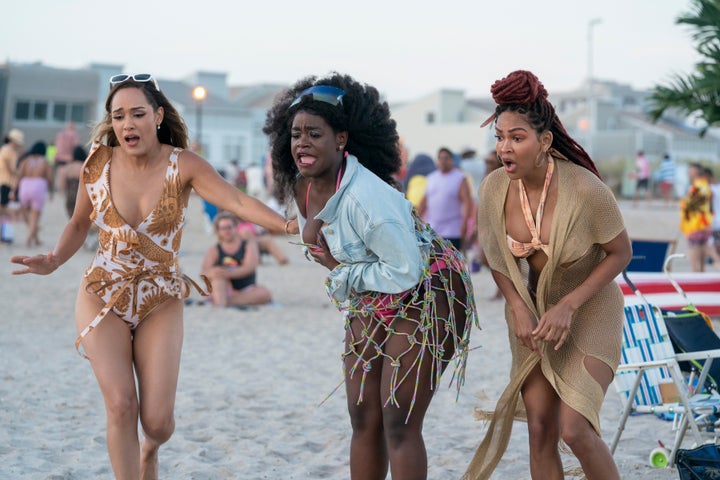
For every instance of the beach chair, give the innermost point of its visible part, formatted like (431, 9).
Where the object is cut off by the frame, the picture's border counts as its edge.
(691, 331)
(649, 380)
(650, 255)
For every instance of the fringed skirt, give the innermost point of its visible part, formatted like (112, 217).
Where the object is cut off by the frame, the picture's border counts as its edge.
(436, 315)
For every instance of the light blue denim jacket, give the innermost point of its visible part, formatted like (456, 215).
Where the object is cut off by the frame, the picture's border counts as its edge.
(370, 230)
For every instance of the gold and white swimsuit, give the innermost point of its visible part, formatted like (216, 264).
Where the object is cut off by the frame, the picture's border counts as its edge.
(134, 269)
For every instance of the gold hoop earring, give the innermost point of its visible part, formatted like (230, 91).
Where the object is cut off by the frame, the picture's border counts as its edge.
(540, 162)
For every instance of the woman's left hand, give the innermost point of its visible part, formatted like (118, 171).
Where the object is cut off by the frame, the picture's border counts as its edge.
(554, 325)
(322, 255)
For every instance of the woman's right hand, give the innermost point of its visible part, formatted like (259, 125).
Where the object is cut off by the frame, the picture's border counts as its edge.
(524, 322)
(39, 264)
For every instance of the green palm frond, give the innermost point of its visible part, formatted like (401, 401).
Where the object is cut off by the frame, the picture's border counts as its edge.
(698, 92)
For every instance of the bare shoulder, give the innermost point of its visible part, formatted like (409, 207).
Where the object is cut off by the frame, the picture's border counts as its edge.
(191, 164)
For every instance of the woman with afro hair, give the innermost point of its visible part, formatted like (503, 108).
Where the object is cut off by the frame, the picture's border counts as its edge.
(405, 294)
(555, 240)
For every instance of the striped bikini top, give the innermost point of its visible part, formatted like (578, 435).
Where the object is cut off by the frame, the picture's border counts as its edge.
(523, 249)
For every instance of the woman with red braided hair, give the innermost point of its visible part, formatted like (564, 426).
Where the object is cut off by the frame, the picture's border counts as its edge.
(555, 241)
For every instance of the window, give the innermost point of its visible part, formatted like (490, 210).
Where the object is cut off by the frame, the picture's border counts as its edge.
(430, 117)
(22, 110)
(59, 112)
(50, 112)
(40, 111)
(77, 113)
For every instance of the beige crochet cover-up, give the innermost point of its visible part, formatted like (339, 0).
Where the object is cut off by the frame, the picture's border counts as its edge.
(586, 215)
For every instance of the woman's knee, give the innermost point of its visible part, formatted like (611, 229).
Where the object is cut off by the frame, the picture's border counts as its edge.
(398, 432)
(364, 419)
(121, 407)
(159, 427)
(578, 434)
(543, 431)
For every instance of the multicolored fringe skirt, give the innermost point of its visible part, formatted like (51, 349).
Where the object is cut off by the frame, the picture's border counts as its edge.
(440, 310)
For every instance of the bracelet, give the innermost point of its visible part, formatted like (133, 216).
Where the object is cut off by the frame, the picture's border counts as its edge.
(287, 224)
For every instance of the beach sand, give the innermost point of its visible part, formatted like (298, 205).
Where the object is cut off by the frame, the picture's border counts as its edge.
(251, 382)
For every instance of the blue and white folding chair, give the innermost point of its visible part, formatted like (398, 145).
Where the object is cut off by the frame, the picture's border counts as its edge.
(649, 380)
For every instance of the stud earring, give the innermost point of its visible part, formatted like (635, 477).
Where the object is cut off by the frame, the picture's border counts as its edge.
(339, 148)
(158, 126)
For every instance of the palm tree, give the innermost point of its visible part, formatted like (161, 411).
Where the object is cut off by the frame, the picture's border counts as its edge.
(697, 92)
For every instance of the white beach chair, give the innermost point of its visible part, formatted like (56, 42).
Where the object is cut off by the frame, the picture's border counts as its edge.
(649, 380)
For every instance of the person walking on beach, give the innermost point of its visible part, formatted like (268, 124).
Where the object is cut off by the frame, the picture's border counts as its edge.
(447, 203)
(9, 153)
(555, 240)
(642, 173)
(696, 218)
(715, 205)
(406, 296)
(416, 177)
(65, 142)
(136, 184)
(231, 266)
(68, 180)
(34, 186)
(665, 175)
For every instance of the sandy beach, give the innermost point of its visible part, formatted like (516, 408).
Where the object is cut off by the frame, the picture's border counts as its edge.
(251, 382)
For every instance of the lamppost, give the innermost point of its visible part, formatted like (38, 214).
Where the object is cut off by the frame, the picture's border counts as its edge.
(592, 128)
(199, 93)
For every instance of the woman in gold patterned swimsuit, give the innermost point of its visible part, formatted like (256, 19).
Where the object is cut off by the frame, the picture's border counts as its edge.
(138, 178)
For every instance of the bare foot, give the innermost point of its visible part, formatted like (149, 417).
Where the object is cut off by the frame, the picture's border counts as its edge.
(149, 469)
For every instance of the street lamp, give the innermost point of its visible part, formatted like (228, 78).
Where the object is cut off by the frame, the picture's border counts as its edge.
(591, 108)
(592, 23)
(199, 93)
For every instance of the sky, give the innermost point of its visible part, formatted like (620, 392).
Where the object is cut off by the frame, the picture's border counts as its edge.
(407, 49)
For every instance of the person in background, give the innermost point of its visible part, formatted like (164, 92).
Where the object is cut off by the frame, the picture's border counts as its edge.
(416, 177)
(231, 172)
(68, 180)
(492, 163)
(665, 176)
(9, 154)
(715, 207)
(696, 218)
(266, 242)
(447, 203)
(642, 174)
(406, 297)
(474, 168)
(231, 266)
(136, 185)
(555, 241)
(34, 186)
(65, 142)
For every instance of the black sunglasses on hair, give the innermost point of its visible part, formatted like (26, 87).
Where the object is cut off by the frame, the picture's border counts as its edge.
(321, 93)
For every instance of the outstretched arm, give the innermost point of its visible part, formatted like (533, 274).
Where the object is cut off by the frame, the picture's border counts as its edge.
(211, 186)
(70, 241)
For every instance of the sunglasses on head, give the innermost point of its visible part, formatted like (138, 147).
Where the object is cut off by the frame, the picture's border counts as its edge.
(137, 77)
(321, 93)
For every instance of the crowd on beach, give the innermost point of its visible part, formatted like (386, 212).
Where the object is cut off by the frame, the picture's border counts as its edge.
(398, 242)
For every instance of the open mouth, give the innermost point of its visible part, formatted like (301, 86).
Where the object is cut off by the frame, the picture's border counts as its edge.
(132, 140)
(306, 160)
(509, 165)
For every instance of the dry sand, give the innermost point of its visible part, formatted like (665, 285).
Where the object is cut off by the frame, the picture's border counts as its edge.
(251, 381)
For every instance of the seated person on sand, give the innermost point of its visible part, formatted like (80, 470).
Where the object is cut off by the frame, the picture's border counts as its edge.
(230, 265)
(265, 241)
